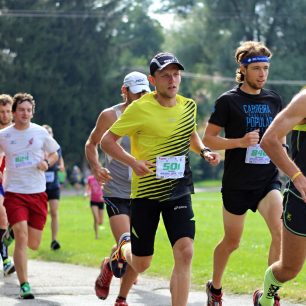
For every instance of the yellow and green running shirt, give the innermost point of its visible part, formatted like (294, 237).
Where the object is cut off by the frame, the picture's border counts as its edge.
(156, 131)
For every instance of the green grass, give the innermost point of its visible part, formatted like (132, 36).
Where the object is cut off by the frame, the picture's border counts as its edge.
(244, 272)
(208, 183)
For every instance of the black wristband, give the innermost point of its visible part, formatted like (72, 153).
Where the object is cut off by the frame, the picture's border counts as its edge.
(286, 146)
(203, 151)
(47, 162)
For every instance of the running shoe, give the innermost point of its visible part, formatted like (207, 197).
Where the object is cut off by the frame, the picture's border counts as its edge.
(257, 295)
(55, 245)
(212, 299)
(26, 292)
(8, 267)
(121, 302)
(8, 236)
(103, 280)
(118, 262)
(276, 300)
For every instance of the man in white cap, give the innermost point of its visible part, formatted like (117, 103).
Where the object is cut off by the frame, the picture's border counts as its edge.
(162, 128)
(117, 190)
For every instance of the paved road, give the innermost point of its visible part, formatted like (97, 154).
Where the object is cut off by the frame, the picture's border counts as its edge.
(60, 284)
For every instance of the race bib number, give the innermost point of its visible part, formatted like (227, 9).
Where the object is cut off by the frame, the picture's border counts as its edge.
(170, 167)
(256, 155)
(23, 160)
(49, 176)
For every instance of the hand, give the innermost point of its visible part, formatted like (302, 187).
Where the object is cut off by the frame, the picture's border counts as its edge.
(212, 157)
(141, 167)
(101, 174)
(250, 139)
(43, 165)
(300, 184)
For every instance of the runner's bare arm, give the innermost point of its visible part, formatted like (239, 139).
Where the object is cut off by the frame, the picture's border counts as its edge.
(213, 140)
(273, 139)
(104, 121)
(110, 146)
(50, 161)
(197, 146)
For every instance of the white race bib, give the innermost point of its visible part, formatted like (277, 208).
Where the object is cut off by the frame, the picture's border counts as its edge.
(170, 167)
(256, 155)
(49, 176)
(23, 160)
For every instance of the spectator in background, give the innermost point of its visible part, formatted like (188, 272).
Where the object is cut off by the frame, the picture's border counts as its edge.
(76, 177)
(95, 192)
(53, 191)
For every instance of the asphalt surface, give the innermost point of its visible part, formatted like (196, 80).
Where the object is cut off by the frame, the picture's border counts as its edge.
(60, 284)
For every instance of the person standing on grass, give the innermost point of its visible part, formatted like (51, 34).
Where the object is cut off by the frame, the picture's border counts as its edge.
(293, 246)
(53, 190)
(95, 192)
(117, 190)
(162, 129)
(250, 179)
(6, 117)
(24, 144)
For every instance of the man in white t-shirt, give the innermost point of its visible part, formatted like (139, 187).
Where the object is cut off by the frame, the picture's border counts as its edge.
(24, 144)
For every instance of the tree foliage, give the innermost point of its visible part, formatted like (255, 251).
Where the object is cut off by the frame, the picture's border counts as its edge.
(205, 40)
(72, 56)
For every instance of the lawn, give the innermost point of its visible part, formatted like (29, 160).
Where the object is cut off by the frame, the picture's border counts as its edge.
(244, 272)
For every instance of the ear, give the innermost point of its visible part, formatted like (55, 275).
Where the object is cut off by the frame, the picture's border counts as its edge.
(242, 69)
(124, 90)
(151, 79)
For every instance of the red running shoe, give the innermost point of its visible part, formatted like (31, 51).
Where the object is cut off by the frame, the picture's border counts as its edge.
(212, 299)
(120, 302)
(103, 280)
(257, 295)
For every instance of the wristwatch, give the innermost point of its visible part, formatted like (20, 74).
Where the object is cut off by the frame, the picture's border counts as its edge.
(285, 146)
(203, 151)
(47, 162)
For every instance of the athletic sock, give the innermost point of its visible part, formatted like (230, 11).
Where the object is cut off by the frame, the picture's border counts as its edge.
(271, 286)
(3, 248)
(124, 248)
(215, 291)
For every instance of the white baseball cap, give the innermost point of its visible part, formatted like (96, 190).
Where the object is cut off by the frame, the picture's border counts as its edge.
(136, 82)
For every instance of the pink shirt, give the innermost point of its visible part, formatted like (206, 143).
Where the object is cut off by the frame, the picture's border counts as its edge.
(96, 192)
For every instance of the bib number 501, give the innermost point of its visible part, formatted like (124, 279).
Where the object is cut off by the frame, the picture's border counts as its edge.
(171, 166)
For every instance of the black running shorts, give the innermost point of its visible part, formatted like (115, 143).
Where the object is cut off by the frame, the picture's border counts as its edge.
(117, 206)
(53, 194)
(145, 214)
(99, 204)
(294, 215)
(238, 202)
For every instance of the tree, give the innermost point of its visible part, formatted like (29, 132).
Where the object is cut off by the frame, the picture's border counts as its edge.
(70, 56)
(206, 37)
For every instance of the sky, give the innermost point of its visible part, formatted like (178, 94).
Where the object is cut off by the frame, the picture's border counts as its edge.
(164, 19)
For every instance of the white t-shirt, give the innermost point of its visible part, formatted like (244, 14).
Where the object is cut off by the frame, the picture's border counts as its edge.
(24, 150)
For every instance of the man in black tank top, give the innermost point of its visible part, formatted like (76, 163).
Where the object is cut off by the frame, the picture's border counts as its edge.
(293, 246)
(117, 190)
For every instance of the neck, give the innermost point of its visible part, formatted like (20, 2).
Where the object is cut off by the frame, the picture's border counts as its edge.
(250, 90)
(165, 101)
(21, 126)
(3, 126)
